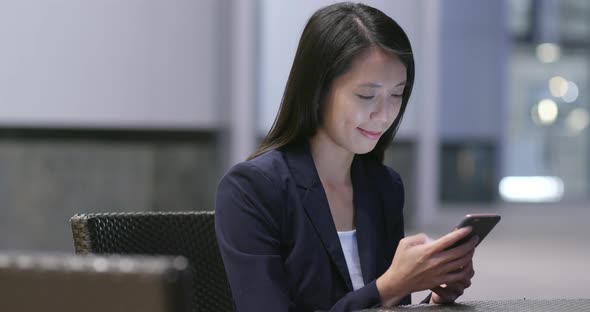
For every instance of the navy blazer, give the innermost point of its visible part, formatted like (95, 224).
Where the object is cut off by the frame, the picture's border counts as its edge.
(278, 240)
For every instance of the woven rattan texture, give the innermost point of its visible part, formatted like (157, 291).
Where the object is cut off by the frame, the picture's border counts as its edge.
(190, 234)
(523, 305)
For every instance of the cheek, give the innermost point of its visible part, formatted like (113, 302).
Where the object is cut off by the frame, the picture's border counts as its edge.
(356, 117)
(347, 114)
(394, 112)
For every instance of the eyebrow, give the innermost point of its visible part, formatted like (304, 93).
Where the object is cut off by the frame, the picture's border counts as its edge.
(376, 85)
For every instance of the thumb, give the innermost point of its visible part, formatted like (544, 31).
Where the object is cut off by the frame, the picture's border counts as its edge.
(443, 295)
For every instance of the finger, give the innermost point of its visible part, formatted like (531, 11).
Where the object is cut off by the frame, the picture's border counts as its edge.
(459, 251)
(466, 281)
(470, 274)
(414, 240)
(471, 271)
(442, 292)
(458, 264)
(447, 294)
(451, 238)
(465, 284)
(458, 276)
(462, 285)
(455, 290)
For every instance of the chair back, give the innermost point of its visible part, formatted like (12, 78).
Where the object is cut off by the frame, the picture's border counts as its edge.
(189, 234)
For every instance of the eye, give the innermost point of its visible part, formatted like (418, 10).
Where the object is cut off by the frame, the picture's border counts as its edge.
(397, 95)
(365, 97)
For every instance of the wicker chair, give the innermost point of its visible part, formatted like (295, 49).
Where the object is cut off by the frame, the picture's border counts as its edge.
(190, 234)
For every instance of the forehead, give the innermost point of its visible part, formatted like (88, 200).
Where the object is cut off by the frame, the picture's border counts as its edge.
(376, 66)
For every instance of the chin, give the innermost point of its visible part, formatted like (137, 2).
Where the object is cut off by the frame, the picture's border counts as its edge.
(363, 148)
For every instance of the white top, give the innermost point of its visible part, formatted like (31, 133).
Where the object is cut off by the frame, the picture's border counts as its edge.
(351, 254)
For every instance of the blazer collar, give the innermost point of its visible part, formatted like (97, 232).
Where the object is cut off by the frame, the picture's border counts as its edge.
(301, 165)
(315, 203)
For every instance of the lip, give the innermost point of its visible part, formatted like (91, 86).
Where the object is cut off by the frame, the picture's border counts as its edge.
(370, 134)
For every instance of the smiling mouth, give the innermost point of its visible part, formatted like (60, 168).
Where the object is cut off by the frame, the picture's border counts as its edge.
(370, 134)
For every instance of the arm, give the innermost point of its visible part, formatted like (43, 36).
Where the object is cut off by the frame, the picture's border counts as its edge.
(401, 194)
(396, 229)
(394, 226)
(248, 235)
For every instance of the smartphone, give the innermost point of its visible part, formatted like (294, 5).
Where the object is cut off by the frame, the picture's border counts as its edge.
(481, 225)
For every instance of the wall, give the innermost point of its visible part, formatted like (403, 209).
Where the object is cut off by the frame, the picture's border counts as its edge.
(109, 63)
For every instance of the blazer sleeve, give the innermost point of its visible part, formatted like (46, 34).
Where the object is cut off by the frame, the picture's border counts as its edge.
(398, 231)
(248, 234)
(394, 216)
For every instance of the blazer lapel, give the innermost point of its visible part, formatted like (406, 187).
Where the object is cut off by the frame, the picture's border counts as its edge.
(316, 205)
(365, 209)
(318, 210)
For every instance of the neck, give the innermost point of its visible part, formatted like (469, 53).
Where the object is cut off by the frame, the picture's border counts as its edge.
(331, 161)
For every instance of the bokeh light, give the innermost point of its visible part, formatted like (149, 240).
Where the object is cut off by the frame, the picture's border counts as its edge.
(548, 52)
(571, 92)
(558, 86)
(545, 112)
(577, 120)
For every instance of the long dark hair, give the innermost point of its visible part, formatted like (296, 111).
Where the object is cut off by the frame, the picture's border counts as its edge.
(332, 38)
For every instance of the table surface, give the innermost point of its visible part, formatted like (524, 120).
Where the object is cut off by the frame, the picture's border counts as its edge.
(499, 305)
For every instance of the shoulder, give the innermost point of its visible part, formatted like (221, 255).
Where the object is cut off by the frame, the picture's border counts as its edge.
(260, 177)
(395, 182)
(264, 169)
(395, 176)
(252, 189)
(386, 174)
(269, 164)
(390, 182)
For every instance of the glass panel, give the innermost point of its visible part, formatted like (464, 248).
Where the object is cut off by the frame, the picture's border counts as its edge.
(548, 109)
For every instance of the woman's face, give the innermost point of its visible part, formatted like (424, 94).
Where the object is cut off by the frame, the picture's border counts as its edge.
(363, 102)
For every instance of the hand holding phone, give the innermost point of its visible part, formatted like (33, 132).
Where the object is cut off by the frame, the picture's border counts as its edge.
(481, 225)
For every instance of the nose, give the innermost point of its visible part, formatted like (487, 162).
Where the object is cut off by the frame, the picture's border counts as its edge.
(379, 112)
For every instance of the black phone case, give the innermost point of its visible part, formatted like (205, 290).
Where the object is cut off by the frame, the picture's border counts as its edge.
(481, 226)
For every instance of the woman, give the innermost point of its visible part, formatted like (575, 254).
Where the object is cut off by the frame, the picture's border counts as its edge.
(313, 220)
